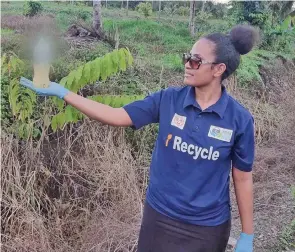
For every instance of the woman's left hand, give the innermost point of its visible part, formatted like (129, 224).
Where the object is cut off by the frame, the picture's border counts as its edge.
(245, 243)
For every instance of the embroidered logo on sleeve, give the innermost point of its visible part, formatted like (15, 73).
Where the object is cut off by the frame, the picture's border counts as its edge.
(178, 121)
(220, 133)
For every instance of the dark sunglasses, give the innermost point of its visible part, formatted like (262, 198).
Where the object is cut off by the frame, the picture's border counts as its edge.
(194, 61)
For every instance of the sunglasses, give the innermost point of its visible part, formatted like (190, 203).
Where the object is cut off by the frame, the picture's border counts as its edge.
(194, 61)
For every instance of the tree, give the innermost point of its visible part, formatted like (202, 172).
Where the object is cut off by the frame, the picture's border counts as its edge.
(97, 22)
(280, 9)
(159, 12)
(192, 17)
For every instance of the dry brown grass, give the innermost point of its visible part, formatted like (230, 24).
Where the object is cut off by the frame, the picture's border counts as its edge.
(22, 24)
(77, 193)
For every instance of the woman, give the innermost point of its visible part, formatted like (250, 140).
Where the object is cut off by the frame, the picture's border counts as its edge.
(203, 134)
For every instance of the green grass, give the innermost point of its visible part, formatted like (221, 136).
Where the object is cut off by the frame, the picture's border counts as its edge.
(5, 31)
(159, 44)
(149, 32)
(173, 62)
(13, 8)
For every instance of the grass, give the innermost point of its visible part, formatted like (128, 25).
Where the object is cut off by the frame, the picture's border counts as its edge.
(287, 239)
(155, 42)
(5, 31)
(148, 32)
(38, 216)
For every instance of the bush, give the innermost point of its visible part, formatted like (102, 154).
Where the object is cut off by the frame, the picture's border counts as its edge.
(84, 15)
(32, 8)
(145, 9)
(63, 66)
(203, 16)
(183, 11)
(11, 42)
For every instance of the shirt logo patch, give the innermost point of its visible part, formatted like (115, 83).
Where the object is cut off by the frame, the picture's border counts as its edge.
(168, 139)
(220, 133)
(178, 121)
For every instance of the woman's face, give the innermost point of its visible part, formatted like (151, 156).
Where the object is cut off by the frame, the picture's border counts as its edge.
(207, 72)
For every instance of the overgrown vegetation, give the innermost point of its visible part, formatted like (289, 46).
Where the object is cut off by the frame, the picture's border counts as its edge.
(287, 239)
(32, 8)
(145, 9)
(67, 181)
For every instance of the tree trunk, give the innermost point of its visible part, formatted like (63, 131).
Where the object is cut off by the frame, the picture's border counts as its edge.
(97, 22)
(192, 17)
(159, 12)
(127, 6)
(203, 5)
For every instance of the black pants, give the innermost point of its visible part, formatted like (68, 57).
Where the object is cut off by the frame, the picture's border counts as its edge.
(160, 233)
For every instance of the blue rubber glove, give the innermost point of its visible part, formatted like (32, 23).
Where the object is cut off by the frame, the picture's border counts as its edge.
(54, 89)
(245, 243)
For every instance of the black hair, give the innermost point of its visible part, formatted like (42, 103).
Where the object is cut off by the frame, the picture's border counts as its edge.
(229, 47)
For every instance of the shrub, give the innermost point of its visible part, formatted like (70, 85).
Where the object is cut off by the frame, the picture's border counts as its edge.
(84, 15)
(63, 66)
(11, 42)
(32, 8)
(202, 16)
(145, 9)
(183, 11)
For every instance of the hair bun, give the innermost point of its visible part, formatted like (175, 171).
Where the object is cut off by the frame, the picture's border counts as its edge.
(243, 37)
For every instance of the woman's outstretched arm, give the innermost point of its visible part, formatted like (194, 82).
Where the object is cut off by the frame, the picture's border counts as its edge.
(98, 111)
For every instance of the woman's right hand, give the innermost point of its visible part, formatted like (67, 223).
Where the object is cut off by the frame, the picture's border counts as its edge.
(54, 89)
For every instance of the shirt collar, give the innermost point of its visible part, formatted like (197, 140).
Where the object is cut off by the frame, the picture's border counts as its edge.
(219, 107)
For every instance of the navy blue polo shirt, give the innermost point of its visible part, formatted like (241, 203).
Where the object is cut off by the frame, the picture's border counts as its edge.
(194, 153)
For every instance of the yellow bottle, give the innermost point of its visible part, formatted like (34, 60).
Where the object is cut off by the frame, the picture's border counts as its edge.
(42, 57)
(41, 75)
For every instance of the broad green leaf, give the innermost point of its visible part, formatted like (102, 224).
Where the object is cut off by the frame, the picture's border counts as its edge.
(122, 60)
(79, 73)
(61, 119)
(70, 79)
(63, 81)
(95, 70)
(58, 102)
(128, 56)
(69, 114)
(103, 72)
(286, 23)
(87, 72)
(115, 61)
(13, 64)
(54, 123)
